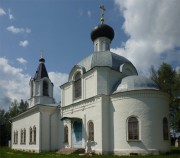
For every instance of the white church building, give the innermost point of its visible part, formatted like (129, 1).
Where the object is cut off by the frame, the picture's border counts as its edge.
(105, 107)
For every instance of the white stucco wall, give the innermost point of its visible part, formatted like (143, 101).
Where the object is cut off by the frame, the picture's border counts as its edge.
(89, 89)
(89, 86)
(87, 110)
(94, 82)
(150, 107)
(110, 113)
(46, 120)
(41, 100)
(67, 95)
(49, 128)
(45, 131)
(106, 79)
(105, 123)
(54, 117)
(29, 121)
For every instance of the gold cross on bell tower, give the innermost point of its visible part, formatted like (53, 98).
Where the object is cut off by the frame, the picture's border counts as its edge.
(42, 53)
(102, 13)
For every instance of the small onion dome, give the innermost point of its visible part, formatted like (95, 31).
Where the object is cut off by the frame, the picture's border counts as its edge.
(42, 60)
(102, 30)
(41, 70)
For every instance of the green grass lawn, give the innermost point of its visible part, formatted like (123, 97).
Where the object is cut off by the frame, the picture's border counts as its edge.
(8, 153)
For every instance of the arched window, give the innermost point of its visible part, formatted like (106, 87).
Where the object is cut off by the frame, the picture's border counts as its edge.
(24, 135)
(30, 133)
(107, 46)
(165, 129)
(31, 88)
(14, 137)
(91, 131)
(45, 88)
(103, 46)
(34, 134)
(21, 136)
(133, 128)
(65, 134)
(77, 85)
(96, 47)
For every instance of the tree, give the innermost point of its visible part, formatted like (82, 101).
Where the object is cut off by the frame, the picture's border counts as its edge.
(2, 113)
(14, 109)
(23, 106)
(5, 116)
(168, 81)
(2, 122)
(6, 130)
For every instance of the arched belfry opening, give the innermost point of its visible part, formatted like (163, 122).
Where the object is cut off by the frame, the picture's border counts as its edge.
(45, 88)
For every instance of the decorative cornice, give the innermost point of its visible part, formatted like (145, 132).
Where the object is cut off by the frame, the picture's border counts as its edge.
(31, 110)
(81, 105)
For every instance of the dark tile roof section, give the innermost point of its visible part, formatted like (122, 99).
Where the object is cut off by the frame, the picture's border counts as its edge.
(41, 72)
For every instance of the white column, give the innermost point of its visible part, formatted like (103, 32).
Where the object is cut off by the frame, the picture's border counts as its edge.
(84, 133)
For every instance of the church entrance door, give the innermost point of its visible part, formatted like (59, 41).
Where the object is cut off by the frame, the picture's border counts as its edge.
(77, 134)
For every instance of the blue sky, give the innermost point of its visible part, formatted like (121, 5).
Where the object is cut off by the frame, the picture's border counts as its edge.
(60, 27)
(146, 32)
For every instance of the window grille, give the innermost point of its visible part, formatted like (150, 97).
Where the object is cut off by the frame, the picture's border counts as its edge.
(133, 128)
(165, 129)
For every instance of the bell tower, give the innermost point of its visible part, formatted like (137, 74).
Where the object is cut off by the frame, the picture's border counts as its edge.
(41, 87)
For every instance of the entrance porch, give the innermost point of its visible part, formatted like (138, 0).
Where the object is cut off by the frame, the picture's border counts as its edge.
(74, 133)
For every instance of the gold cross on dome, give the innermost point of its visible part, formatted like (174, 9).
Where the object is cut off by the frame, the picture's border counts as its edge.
(102, 13)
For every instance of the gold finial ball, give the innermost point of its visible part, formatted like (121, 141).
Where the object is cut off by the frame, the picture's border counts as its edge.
(102, 19)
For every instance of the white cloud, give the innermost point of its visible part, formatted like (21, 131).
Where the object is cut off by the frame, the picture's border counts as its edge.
(24, 43)
(17, 30)
(89, 13)
(11, 17)
(153, 30)
(58, 79)
(13, 84)
(2, 12)
(21, 60)
(28, 30)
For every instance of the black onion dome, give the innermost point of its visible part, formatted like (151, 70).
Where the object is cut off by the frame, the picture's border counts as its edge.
(41, 70)
(101, 31)
(42, 60)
